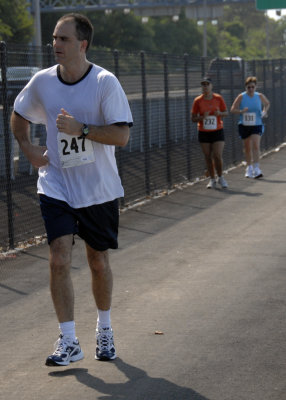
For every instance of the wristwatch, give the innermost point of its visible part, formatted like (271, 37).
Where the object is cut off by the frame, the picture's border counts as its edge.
(84, 131)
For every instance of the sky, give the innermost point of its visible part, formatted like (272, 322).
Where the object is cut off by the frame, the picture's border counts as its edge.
(272, 13)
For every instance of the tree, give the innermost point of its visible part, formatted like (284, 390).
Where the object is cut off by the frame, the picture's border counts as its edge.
(16, 23)
(121, 31)
(48, 23)
(241, 31)
(176, 37)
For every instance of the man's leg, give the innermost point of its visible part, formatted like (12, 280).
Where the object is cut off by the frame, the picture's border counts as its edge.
(67, 348)
(60, 280)
(102, 283)
(102, 280)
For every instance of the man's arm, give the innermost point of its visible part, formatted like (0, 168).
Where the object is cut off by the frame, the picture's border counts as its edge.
(21, 130)
(116, 135)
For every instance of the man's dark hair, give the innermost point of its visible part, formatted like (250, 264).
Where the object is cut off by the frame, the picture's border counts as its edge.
(83, 27)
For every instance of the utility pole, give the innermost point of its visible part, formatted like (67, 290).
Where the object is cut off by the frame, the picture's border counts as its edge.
(37, 23)
(205, 50)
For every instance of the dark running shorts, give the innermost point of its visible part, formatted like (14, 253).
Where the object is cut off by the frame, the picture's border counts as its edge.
(211, 137)
(97, 225)
(245, 131)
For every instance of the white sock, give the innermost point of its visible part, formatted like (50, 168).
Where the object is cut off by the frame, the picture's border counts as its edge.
(256, 165)
(68, 329)
(103, 319)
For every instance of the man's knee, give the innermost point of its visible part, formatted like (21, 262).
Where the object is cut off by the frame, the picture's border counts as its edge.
(60, 256)
(98, 261)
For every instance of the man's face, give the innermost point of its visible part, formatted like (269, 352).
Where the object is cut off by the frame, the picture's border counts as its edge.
(206, 87)
(67, 48)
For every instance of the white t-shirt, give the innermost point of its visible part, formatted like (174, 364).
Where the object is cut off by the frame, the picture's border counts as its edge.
(96, 99)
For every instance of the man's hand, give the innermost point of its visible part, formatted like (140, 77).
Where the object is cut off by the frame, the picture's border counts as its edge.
(68, 124)
(217, 112)
(37, 155)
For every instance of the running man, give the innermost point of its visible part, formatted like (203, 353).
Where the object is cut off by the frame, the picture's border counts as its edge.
(86, 114)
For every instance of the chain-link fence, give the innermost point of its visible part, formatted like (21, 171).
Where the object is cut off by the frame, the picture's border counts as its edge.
(163, 149)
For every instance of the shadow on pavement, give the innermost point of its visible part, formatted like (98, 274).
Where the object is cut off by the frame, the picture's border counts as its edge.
(243, 193)
(139, 386)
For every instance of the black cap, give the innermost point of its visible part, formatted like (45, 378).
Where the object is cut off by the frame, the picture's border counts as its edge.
(206, 79)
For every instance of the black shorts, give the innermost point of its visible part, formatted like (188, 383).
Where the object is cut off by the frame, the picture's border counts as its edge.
(97, 225)
(247, 130)
(211, 137)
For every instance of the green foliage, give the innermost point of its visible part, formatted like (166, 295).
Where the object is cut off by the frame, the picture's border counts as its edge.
(48, 23)
(177, 37)
(212, 42)
(121, 31)
(277, 38)
(16, 23)
(241, 31)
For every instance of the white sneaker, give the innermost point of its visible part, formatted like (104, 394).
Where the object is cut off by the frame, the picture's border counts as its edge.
(257, 173)
(105, 349)
(249, 172)
(211, 184)
(66, 351)
(222, 182)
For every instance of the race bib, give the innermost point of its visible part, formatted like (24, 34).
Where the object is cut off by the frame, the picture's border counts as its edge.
(74, 150)
(249, 118)
(210, 123)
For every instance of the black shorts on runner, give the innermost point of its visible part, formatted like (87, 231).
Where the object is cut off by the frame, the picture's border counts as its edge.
(97, 225)
(247, 130)
(211, 137)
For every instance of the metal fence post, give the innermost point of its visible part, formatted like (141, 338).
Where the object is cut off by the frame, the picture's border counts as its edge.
(119, 150)
(3, 52)
(218, 77)
(281, 102)
(49, 55)
(167, 121)
(254, 67)
(188, 119)
(243, 73)
(264, 91)
(273, 100)
(232, 83)
(145, 125)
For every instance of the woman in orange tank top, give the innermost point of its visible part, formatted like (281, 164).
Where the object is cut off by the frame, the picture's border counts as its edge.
(208, 111)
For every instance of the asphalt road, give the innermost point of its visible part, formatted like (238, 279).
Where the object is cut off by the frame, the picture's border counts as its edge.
(205, 268)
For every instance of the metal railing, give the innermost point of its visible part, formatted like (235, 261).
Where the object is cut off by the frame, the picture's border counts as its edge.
(163, 150)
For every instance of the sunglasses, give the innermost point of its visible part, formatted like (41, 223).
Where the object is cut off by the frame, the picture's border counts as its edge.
(250, 87)
(205, 84)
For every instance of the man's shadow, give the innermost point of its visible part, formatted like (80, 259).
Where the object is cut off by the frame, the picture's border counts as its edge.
(140, 386)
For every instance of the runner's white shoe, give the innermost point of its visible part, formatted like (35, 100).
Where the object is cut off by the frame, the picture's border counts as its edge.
(105, 349)
(66, 351)
(211, 184)
(222, 182)
(249, 172)
(257, 173)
